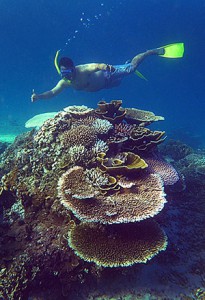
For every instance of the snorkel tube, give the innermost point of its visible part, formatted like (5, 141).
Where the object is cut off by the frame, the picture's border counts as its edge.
(57, 66)
(56, 62)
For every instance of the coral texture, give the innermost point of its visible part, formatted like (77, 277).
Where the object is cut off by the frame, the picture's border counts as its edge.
(123, 163)
(78, 111)
(168, 173)
(133, 204)
(102, 126)
(81, 135)
(74, 183)
(141, 117)
(117, 245)
(111, 111)
(144, 139)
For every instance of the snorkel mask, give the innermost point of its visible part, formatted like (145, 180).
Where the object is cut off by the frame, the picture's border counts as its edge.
(66, 73)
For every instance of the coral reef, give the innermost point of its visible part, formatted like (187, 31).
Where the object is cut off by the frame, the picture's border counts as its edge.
(3, 147)
(100, 146)
(176, 150)
(81, 165)
(192, 166)
(73, 182)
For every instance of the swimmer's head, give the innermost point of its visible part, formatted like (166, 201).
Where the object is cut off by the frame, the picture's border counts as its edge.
(67, 68)
(66, 62)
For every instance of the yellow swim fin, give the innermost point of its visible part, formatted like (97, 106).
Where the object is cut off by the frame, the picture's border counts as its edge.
(140, 75)
(173, 50)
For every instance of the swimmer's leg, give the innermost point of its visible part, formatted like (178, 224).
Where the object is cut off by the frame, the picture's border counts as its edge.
(138, 59)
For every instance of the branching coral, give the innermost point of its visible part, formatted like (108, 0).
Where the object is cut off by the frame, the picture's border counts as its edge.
(87, 121)
(96, 177)
(81, 135)
(100, 146)
(101, 180)
(101, 126)
(76, 153)
(123, 129)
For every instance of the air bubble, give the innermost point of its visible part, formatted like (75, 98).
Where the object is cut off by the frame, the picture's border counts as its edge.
(86, 21)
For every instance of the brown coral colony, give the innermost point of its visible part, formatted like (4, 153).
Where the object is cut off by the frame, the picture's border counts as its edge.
(100, 165)
(128, 190)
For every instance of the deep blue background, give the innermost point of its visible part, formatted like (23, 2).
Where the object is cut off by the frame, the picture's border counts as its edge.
(32, 31)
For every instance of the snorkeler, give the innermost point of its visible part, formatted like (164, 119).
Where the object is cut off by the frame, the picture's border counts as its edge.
(93, 77)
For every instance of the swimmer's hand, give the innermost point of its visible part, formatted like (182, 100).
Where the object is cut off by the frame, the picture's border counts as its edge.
(34, 97)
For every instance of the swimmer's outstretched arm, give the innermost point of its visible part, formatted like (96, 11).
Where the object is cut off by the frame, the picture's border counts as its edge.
(61, 85)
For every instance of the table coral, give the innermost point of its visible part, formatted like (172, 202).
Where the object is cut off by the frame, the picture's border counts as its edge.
(73, 182)
(78, 111)
(141, 117)
(117, 245)
(130, 205)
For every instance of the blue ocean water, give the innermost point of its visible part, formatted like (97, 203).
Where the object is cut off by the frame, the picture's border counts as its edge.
(109, 31)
